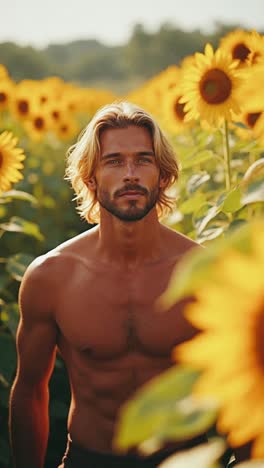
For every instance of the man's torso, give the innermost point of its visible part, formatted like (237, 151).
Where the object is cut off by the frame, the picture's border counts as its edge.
(112, 336)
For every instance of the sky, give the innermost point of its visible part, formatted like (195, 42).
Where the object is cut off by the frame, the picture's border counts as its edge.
(39, 23)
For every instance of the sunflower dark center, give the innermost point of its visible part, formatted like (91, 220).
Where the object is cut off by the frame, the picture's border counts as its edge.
(3, 97)
(260, 336)
(215, 86)
(56, 115)
(179, 110)
(241, 52)
(252, 118)
(43, 99)
(1, 159)
(255, 57)
(39, 123)
(23, 106)
(64, 128)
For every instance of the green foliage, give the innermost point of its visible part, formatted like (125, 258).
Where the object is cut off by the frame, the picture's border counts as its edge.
(24, 62)
(34, 217)
(196, 266)
(161, 411)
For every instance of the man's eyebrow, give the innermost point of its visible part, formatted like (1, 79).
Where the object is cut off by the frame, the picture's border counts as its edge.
(116, 155)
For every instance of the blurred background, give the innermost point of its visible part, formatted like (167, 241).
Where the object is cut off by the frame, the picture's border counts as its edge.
(115, 44)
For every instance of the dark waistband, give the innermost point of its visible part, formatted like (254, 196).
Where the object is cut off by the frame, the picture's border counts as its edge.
(88, 458)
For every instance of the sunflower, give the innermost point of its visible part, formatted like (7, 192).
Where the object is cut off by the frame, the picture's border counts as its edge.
(24, 99)
(210, 87)
(66, 129)
(173, 110)
(229, 311)
(6, 91)
(252, 103)
(238, 44)
(10, 161)
(256, 44)
(38, 124)
(3, 72)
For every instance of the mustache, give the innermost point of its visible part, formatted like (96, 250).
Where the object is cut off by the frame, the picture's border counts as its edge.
(127, 188)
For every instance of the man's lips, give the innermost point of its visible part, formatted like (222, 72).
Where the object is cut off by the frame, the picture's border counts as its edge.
(131, 194)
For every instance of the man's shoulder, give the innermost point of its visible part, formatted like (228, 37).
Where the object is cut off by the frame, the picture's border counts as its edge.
(179, 243)
(79, 244)
(54, 262)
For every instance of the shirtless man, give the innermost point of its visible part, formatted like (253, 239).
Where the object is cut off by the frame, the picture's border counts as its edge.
(93, 298)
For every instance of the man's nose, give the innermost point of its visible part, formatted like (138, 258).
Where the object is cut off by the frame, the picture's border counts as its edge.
(131, 172)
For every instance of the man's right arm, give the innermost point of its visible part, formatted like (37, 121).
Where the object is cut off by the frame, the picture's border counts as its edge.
(36, 352)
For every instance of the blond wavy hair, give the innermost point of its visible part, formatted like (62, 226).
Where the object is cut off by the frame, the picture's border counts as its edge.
(82, 157)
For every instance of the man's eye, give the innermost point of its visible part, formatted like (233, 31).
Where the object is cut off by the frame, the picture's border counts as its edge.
(144, 159)
(113, 161)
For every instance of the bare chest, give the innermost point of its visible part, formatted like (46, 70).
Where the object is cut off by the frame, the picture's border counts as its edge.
(109, 314)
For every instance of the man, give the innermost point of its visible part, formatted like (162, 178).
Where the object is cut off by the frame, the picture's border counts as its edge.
(93, 298)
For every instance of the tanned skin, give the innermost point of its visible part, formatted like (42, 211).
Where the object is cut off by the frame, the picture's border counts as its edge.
(93, 300)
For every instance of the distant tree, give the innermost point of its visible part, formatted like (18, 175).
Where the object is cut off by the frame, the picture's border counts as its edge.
(24, 62)
(102, 65)
(89, 61)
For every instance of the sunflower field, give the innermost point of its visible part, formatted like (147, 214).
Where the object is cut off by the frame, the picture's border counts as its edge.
(211, 107)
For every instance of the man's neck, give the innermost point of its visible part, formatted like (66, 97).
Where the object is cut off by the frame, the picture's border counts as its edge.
(129, 244)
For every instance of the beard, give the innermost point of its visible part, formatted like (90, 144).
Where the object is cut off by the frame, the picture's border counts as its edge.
(131, 212)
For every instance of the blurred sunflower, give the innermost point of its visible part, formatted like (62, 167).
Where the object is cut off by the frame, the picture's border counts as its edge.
(256, 44)
(10, 161)
(24, 99)
(238, 44)
(230, 314)
(210, 87)
(173, 110)
(38, 123)
(6, 92)
(66, 128)
(251, 119)
(259, 129)
(252, 103)
(3, 72)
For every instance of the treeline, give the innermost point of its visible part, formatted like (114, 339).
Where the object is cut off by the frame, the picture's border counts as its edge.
(89, 62)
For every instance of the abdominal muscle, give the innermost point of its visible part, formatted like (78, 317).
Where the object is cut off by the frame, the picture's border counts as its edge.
(99, 389)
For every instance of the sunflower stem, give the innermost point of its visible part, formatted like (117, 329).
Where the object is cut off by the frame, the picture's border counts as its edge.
(227, 156)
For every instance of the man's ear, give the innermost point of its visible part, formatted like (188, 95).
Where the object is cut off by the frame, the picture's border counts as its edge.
(163, 181)
(91, 184)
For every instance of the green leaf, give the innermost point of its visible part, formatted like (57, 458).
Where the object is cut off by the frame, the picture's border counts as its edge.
(12, 314)
(254, 193)
(201, 219)
(202, 456)
(192, 204)
(17, 265)
(232, 202)
(7, 356)
(256, 169)
(16, 224)
(196, 180)
(196, 265)
(210, 234)
(197, 158)
(163, 408)
(19, 195)
(4, 280)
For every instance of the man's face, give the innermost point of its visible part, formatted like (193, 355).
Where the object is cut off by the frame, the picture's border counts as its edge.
(127, 178)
